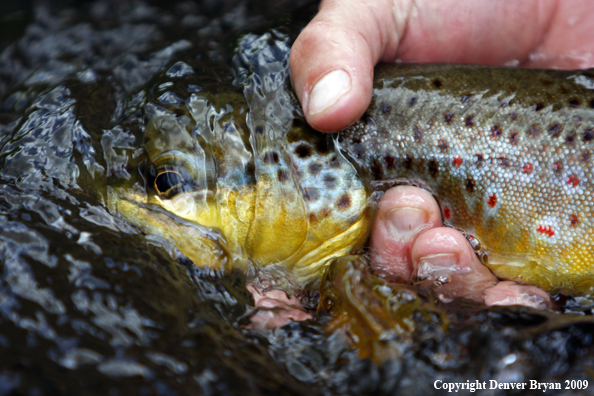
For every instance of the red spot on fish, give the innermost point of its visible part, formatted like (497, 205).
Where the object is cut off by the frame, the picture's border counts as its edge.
(457, 162)
(573, 218)
(527, 168)
(492, 201)
(546, 230)
(573, 180)
(446, 212)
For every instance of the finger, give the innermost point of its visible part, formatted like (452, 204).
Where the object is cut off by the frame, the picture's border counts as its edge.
(443, 258)
(467, 31)
(403, 213)
(275, 309)
(511, 293)
(332, 60)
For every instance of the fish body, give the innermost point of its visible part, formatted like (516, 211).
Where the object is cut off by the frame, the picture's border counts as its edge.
(231, 173)
(507, 153)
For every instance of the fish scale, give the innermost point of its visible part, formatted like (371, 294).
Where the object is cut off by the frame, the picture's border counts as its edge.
(507, 153)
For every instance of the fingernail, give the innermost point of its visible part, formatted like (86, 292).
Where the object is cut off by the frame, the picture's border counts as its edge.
(404, 223)
(439, 267)
(328, 90)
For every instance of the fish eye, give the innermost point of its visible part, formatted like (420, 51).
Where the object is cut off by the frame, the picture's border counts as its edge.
(169, 182)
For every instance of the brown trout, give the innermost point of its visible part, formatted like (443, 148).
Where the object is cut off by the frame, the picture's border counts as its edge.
(507, 153)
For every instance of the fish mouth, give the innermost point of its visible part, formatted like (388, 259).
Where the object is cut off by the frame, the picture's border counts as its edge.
(204, 246)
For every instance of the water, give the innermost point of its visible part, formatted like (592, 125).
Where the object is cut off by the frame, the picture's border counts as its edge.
(90, 305)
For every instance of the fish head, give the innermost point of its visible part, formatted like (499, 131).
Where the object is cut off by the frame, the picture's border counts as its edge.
(229, 193)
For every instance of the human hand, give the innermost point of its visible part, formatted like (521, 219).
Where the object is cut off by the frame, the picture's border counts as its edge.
(333, 58)
(332, 71)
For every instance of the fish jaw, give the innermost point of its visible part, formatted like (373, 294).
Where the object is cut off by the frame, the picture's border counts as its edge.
(204, 246)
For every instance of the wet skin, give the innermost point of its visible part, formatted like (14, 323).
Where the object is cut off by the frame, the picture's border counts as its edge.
(407, 229)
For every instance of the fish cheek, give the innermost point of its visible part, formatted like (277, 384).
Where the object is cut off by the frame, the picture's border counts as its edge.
(279, 227)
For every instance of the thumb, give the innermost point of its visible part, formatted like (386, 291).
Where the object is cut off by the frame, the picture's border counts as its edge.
(332, 60)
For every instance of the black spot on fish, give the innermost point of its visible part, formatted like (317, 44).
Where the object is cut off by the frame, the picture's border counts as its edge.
(465, 99)
(585, 156)
(470, 185)
(479, 159)
(418, 134)
(588, 135)
(303, 151)
(538, 106)
(386, 109)
(334, 162)
(282, 175)
(408, 162)
(469, 121)
(534, 130)
(389, 160)
(433, 167)
(311, 194)
(259, 130)
(322, 146)
(555, 129)
(343, 202)
(270, 158)
(250, 168)
(514, 137)
(503, 161)
(448, 117)
(412, 101)
(437, 83)
(314, 168)
(443, 145)
(575, 103)
(330, 182)
(376, 169)
(570, 138)
(496, 131)
(513, 116)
